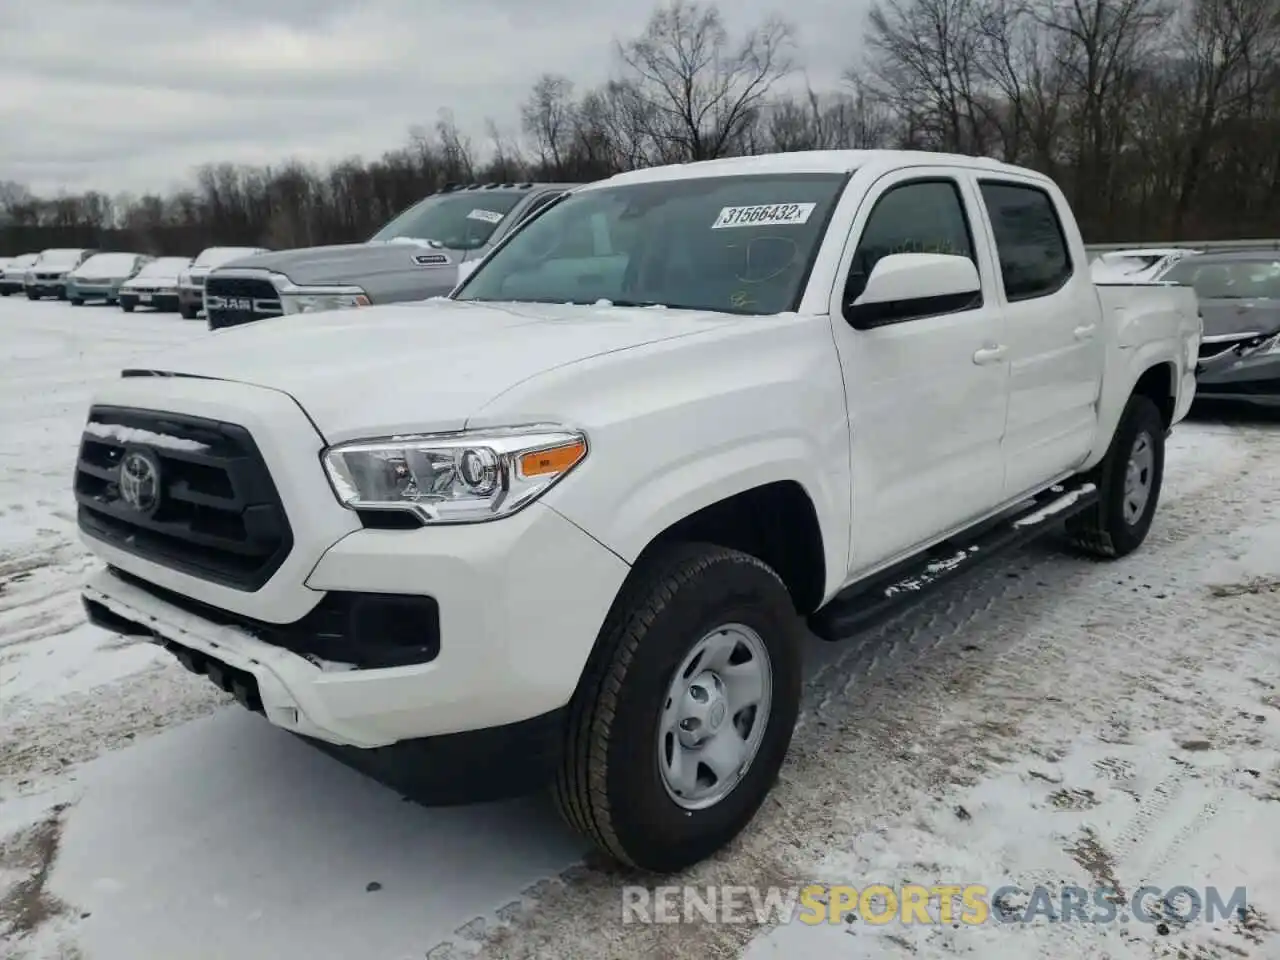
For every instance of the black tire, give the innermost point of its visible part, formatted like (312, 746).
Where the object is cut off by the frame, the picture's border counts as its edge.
(62, 294)
(126, 307)
(188, 313)
(5, 293)
(77, 302)
(1103, 530)
(609, 787)
(32, 296)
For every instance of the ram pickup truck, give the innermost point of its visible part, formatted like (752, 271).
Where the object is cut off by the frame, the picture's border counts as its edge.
(567, 525)
(421, 253)
(191, 281)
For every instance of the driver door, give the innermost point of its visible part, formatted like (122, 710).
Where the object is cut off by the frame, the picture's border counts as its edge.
(927, 392)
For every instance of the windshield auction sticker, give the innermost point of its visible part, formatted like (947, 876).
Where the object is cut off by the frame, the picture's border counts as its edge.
(488, 216)
(764, 215)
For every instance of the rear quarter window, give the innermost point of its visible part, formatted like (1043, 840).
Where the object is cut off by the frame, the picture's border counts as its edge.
(1030, 242)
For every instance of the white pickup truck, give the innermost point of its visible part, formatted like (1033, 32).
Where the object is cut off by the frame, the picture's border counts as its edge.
(567, 525)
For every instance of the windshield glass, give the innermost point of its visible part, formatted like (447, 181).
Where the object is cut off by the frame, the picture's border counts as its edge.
(60, 258)
(108, 265)
(216, 256)
(741, 244)
(460, 221)
(165, 267)
(1228, 280)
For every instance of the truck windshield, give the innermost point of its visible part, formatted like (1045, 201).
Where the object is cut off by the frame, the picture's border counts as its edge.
(460, 221)
(740, 244)
(165, 267)
(60, 258)
(1228, 280)
(108, 265)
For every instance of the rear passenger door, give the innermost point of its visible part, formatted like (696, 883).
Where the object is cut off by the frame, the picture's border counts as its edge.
(1055, 345)
(927, 392)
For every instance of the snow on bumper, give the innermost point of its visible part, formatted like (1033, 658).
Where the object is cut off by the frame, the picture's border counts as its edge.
(521, 601)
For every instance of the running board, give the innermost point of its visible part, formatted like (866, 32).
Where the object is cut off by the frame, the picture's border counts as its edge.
(863, 604)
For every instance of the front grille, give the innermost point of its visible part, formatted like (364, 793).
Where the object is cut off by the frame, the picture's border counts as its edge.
(230, 301)
(48, 276)
(215, 513)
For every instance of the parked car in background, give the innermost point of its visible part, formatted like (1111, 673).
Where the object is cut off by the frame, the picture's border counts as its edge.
(155, 285)
(417, 255)
(47, 277)
(191, 283)
(13, 275)
(1239, 294)
(100, 276)
(1136, 266)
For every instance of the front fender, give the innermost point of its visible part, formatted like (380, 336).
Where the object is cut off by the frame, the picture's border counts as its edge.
(679, 425)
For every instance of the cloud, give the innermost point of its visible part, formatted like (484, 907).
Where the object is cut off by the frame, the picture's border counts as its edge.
(134, 94)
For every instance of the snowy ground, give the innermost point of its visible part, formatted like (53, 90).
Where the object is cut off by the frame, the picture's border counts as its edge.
(1047, 721)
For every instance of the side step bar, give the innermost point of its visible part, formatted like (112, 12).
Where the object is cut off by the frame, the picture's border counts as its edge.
(863, 604)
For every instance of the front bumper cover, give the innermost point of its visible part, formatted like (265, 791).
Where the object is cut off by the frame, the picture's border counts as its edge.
(1249, 378)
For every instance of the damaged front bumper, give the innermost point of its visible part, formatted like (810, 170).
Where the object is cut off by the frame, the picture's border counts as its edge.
(1245, 373)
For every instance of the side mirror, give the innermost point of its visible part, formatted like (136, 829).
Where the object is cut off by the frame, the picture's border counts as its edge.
(907, 285)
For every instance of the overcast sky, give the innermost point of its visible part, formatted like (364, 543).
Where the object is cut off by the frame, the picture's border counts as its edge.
(134, 94)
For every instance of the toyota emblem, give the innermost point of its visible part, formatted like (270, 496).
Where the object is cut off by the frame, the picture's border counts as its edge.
(140, 480)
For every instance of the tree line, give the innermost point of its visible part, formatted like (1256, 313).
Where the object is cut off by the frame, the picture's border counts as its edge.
(1159, 119)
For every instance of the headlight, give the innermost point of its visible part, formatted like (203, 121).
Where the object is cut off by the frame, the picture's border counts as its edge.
(454, 477)
(316, 300)
(184, 279)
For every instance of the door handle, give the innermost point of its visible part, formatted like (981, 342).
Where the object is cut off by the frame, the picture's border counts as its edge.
(989, 355)
(1085, 332)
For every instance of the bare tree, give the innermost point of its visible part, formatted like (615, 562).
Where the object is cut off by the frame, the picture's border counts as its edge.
(1222, 43)
(927, 54)
(1161, 127)
(701, 89)
(548, 117)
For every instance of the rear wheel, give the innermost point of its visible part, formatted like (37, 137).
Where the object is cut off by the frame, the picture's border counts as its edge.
(1129, 481)
(686, 710)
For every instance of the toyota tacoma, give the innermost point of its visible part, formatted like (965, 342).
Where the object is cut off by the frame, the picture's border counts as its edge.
(567, 525)
(421, 253)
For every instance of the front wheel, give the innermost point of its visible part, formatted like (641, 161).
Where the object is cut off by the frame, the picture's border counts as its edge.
(77, 302)
(686, 710)
(1129, 481)
(32, 295)
(188, 313)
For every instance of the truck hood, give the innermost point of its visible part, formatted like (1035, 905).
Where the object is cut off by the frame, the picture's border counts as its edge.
(417, 367)
(359, 263)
